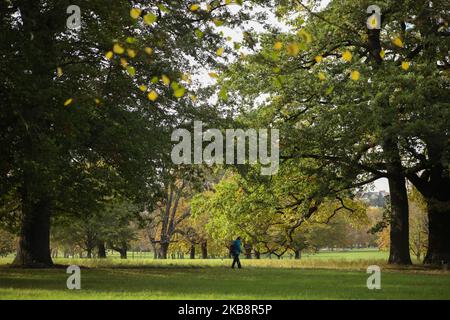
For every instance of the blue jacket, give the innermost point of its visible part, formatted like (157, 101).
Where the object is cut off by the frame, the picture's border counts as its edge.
(236, 249)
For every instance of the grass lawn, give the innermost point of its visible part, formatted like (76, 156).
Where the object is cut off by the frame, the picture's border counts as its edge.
(323, 276)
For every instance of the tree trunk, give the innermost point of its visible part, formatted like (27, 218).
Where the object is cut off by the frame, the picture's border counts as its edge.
(34, 241)
(399, 222)
(123, 253)
(204, 248)
(248, 250)
(89, 253)
(163, 249)
(192, 252)
(439, 230)
(101, 250)
(298, 254)
(399, 234)
(257, 254)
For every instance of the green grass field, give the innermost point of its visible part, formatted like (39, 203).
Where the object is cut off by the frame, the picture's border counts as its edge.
(336, 275)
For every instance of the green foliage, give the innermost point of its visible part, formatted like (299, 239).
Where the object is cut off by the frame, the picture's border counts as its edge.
(7, 243)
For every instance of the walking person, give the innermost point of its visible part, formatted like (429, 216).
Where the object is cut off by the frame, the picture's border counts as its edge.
(235, 252)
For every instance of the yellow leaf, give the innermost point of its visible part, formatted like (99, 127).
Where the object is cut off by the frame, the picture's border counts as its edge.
(131, 71)
(278, 45)
(220, 51)
(143, 88)
(193, 98)
(59, 71)
(213, 75)
(398, 42)
(131, 53)
(355, 75)
(195, 7)
(322, 76)
(118, 49)
(318, 59)
(152, 95)
(135, 13)
(109, 55)
(293, 49)
(374, 22)
(186, 77)
(150, 18)
(178, 93)
(165, 79)
(148, 50)
(306, 36)
(218, 22)
(68, 102)
(382, 54)
(123, 62)
(347, 56)
(405, 65)
(97, 101)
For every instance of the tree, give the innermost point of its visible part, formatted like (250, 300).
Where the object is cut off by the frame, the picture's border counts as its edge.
(173, 206)
(7, 243)
(273, 216)
(341, 95)
(79, 107)
(114, 226)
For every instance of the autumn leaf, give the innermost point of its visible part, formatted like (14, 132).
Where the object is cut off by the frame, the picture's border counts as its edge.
(322, 76)
(152, 96)
(373, 22)
(278, 45)
(148, 51)
(218, 22)
(109, 55)
(178, 93)
(220, 51)
(131, 71)
(155, 80)
(347, 56)
(355, 75)
(405, 65)
(306, 36)
(398, 42)
(131, 53)
(199, 33)
(118, 49)
(165, 79)
(195, 7)
(150, 18)
(68, 102)
(135, 13)
(293, 49)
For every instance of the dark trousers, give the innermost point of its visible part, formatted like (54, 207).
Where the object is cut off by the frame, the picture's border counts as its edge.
(236, 260)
